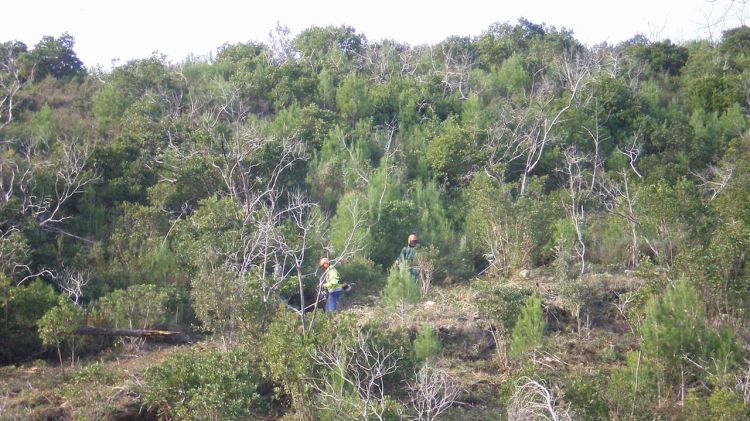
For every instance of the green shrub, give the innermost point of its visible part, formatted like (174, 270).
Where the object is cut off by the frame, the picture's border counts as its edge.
(287, 352)
(138, 307)
(633, 388)
(528, 331)
(675, 330)
(56, 326)
(501, 305)
(426, 344)
(363, 274)
(401, 288)
(722, 405)
(227, 305)
(205, 384)
(586, 398)
(21, 307)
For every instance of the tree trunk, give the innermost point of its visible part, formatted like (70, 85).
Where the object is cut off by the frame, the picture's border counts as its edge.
(106, 331)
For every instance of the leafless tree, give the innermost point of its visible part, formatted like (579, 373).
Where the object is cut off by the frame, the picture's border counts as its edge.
(620, 200)
(71, 176)
(72, 282)
(577, 190)
(743, 383)
(11, 82)
(714, 179)
(280, 45)
(357, 367)
(426, 266)
(385, 60)
(453, 64)
(726, 13)
(432, 392)
(532, 401)
(524, 133)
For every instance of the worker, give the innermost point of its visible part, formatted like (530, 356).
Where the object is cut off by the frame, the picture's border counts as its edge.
(332, 283)
(406, 257)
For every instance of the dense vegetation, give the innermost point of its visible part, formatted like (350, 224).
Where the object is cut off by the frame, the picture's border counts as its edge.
(583, 200)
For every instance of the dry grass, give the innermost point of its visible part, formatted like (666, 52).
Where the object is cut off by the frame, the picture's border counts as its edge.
(95, 389)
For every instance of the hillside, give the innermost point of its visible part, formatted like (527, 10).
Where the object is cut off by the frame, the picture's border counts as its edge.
(516, 226)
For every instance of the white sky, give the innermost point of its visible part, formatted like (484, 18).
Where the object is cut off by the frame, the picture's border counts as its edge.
(106, 30)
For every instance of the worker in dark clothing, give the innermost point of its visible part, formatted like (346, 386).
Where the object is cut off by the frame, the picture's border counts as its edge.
(406, 257)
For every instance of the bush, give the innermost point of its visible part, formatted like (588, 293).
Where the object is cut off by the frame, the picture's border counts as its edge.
(528, 331)
(287, 352)
(138, 307)
(633, 387)
(206, 384)
(226, 304)
(500, 307)
(21, 307)
(362, 273)
(722, 405)
(401, 288)
(56, 326)
(586, 398)
(427, 344)
(675, 330)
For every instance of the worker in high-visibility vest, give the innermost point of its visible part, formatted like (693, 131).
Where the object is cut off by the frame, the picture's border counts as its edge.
(332, 283)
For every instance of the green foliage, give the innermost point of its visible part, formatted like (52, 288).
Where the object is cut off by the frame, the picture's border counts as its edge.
(433, 223)
(675, 330)
(206, 384)
(21, 308)
(586, 396)
(401, 288)
(501, 305)
(287, 353)
(108, 106)
(363, 274)
(450, 154)
(55, 57)
(633, 388)
(351, 210)
(397, 220)
(353, 99)
(427, 344)
(506, 227)
(512, 79)
(56, 326)
(211, 232)
(228, 305)
(138, 307)
(528, 331)
(721, 405)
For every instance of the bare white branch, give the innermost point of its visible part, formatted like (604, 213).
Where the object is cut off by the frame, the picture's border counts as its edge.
(432, 392)
(533, 401)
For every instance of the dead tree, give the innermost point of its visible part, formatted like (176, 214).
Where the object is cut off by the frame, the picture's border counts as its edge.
(72, 282)
(714, 179)
(523, 133)
(453, 64)
(361, 369)
(71, 175)
(533, 401)
(620, 199)
(11, 82)
(577, 190)
(431, 393)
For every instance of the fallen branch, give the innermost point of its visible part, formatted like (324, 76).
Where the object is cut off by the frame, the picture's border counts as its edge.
(143, 333)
